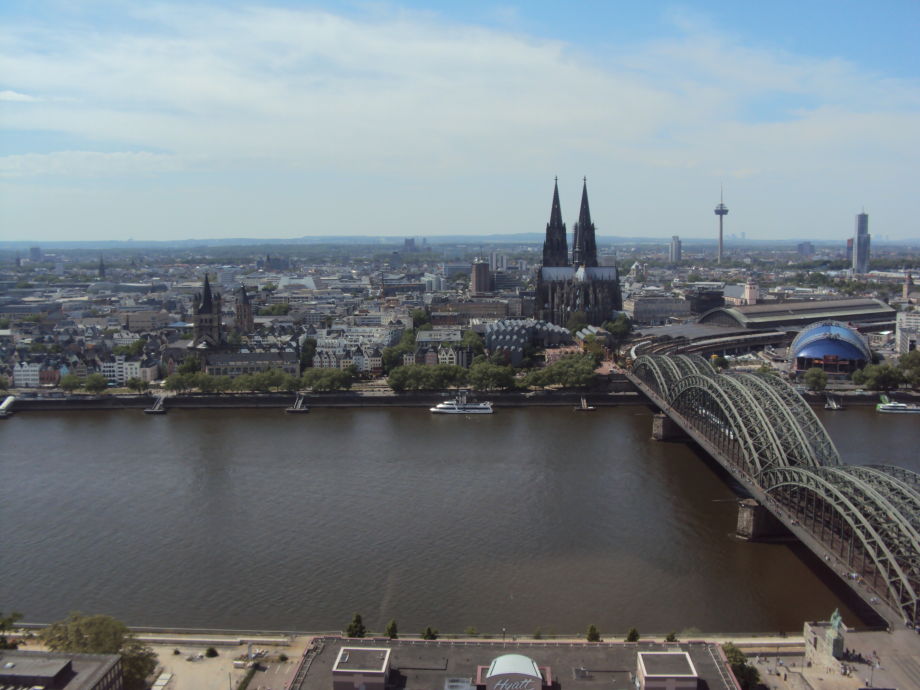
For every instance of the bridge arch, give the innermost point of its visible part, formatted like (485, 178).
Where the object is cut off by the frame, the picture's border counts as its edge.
(866, 516)
(731, 416)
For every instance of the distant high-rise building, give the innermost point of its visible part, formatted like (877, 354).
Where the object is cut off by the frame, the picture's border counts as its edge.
(101, 268)
(674, 251)
(805, 249)
(481, 282)
(409, 244)
(861, 244)
(35, 254)
(850, 250)
(721, 211)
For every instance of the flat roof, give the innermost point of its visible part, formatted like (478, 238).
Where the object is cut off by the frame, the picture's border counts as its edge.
(667, 664)
(364, 659)
(32, 667)
(595, 666)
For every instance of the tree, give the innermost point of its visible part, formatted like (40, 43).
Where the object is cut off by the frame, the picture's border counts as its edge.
(593, 634)
(577, 320)
(909, 364)
(473, 340)
(210, 652)
(137, 385)
(672, 637)
(70, 382)
(632, 635)
(816, 379)
(720, 362)
(6, 624)
(747, 675)
(99, 634)
(619, 330)
(486, 376)
(878, 377)
(307, 353)
(391, 630)
(356, 627)
(96, 383)
(190, 365)
(420, 317)
(4, 383)
(179, 383)
(430, 633)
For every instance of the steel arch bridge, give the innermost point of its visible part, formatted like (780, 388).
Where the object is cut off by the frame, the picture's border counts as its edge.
(765, 433)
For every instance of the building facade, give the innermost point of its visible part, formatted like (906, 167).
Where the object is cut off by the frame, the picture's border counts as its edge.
(861, 244)
(579, 284)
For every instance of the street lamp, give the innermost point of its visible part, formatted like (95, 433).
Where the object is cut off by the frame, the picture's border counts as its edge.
(503, 635)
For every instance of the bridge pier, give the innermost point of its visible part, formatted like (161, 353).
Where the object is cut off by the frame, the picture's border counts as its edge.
(756, 522)
(665, 429)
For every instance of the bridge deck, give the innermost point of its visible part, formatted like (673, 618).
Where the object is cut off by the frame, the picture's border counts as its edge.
(873, 599)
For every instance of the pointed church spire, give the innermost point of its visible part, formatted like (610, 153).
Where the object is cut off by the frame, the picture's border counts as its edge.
(584, 246)
(555, 246)
(207, 301)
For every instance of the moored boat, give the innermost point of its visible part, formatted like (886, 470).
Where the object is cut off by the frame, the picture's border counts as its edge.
(460, 405)
(833, 404)
(892, 407)
(584, 406)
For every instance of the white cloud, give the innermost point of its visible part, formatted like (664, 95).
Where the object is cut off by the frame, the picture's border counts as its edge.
(16, 97)
(400, 95)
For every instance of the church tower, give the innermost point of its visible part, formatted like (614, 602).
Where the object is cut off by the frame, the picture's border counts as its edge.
(244, 321)
(555, 246)
(101, 268)
(206, 317)
(584, 244)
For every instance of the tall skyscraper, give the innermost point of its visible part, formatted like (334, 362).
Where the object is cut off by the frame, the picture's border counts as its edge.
(674, 251)
(849, 250)
(721, 211)
(861, 244)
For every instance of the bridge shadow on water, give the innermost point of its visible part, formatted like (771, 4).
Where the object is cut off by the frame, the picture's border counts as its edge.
(822, 570)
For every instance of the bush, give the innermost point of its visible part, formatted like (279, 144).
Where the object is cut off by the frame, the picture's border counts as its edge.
(430, 633)
(210, 652)
(282, 657)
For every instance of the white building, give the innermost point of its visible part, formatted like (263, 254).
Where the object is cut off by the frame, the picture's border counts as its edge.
(26, 375)
(907, 331)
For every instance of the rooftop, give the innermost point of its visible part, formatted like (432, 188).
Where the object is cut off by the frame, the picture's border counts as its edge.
(667, 664)
(373, 659)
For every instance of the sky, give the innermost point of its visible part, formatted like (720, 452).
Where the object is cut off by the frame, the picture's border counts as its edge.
(149, 120)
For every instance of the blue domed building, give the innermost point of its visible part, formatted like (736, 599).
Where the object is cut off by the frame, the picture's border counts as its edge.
(829, 345)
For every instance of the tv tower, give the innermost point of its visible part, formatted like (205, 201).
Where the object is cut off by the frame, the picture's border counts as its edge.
(721, 210)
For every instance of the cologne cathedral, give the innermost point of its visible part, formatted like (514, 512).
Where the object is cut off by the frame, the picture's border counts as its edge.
(578, 284)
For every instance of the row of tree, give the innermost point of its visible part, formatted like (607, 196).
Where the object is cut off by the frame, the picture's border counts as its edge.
(884, 377)
(270, 380)
(572, 371)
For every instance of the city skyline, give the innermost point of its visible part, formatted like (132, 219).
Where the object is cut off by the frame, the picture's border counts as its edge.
(285, 120)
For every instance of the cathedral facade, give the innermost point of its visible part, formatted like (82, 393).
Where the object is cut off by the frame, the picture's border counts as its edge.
(577, 284)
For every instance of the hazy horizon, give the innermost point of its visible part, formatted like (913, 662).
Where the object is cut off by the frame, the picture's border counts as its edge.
(166, 121)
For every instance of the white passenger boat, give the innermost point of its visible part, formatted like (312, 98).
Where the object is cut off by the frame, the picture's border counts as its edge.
(890, 406)
(460, 405)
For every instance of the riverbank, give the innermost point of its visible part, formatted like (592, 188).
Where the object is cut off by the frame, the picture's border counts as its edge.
(619, 394)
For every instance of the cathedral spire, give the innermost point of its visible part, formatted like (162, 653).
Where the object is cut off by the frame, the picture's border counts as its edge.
(555, 246)
(584, 245)
(207, 301)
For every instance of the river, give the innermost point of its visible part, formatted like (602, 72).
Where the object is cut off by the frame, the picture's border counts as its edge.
(525, 519)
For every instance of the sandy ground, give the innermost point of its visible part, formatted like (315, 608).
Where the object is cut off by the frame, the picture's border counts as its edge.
(218, 673)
